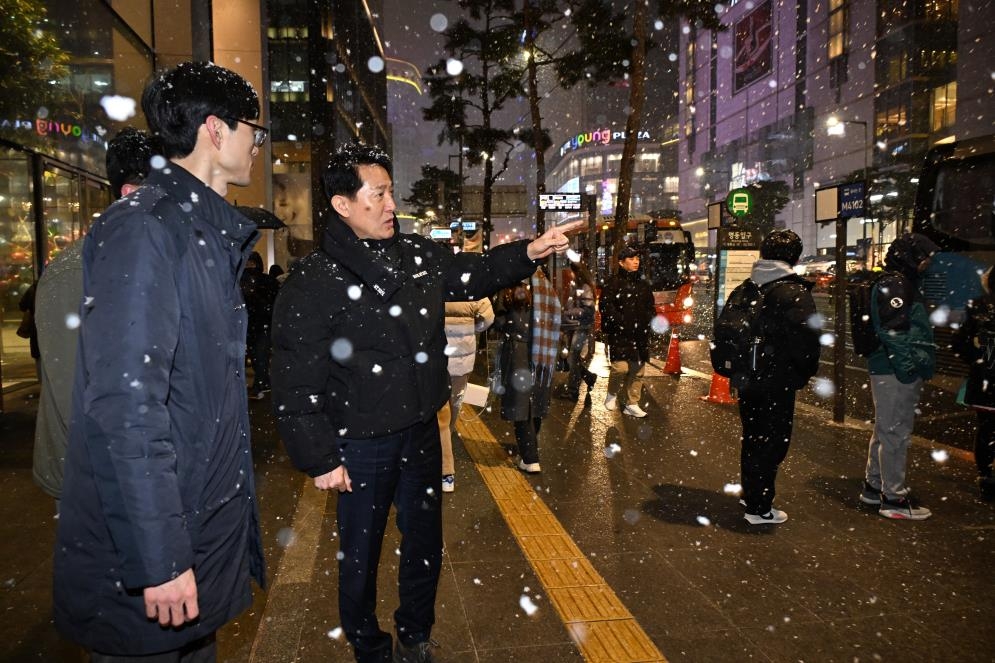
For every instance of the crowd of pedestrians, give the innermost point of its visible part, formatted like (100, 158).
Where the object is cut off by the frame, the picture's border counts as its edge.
(366, 347)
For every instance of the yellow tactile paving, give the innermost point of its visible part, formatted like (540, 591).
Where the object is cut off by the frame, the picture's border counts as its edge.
(598, 622)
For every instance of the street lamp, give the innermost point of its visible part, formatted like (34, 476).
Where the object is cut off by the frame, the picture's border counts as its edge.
(837, 127)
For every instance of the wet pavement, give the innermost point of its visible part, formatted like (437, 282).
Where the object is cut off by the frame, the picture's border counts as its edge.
(626, 547)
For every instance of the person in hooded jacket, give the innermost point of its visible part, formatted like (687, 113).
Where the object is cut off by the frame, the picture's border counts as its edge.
(359, 374)
(158, 534)
(627, 309)
(898, 367)
(767, 405)
(974, 342)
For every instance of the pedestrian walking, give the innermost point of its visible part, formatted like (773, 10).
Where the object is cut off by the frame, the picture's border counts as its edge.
(57, 307)
(580, 313)
(767, 400)
(259, 291)
(627, 309)
(159, 532)
(359, 375)
(906, 357)
(974, 342)
(528, 319)
(464, 320)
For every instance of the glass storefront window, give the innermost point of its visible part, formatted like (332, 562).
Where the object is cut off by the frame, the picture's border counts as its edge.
(60, 193)
(17, 251)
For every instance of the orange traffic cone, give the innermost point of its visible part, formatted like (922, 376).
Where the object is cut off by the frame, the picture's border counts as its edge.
(718, 392)
(673, 365)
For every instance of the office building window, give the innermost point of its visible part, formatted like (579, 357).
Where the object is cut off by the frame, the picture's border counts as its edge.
(944, 110)
(648, 163)
(590, 166)
(890, 122)
(942, 10)
(838, 42)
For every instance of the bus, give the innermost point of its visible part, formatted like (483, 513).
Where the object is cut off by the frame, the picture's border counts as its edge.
(955, 207)
(669, 261)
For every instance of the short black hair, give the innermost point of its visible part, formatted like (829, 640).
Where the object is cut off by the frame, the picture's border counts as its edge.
(129, 158)
(783, 245)
(177, 101)
(341, 177)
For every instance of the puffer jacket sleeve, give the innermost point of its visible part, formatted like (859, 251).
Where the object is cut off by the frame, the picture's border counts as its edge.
(471, 276)
(131, 296)
(800, 343)
(300, 367)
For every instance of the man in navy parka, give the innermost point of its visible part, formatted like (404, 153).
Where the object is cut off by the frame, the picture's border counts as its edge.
(159, 532)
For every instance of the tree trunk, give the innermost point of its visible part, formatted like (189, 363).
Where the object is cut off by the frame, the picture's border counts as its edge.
(637, 97)
(540, 152)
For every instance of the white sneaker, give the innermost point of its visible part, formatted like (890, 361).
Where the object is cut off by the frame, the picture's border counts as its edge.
(634, 411)
(531, 468)
(772, 516)
(610, 402)
(448, 483)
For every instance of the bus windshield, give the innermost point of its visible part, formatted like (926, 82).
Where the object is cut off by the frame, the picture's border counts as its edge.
(963, 204)
(668, 265)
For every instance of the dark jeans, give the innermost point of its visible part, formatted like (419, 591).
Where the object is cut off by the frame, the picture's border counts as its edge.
(767, 416)
(204, 650)
(984, 442)
(527, 436)
(258, 348)
(404, 469)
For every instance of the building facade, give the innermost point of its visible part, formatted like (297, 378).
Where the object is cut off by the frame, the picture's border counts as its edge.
(895, 77)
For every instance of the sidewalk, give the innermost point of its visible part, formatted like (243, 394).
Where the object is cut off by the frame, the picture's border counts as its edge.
(648, 531)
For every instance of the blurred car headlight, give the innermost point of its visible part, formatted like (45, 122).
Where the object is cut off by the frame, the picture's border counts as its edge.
(688, 302)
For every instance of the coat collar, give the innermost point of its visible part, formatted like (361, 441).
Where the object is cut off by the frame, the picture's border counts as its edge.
(206, 204)
(364, 259)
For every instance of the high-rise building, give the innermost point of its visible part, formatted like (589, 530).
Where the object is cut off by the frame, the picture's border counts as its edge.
(894, 76)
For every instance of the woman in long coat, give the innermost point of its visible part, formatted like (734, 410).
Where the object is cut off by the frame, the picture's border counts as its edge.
(528, 316)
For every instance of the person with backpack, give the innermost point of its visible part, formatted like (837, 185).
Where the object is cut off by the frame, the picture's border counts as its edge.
(974, 342)
(785, 354)
(905, 358)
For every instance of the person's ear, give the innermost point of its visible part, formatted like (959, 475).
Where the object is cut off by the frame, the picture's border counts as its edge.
(340, 204)
(213, 126)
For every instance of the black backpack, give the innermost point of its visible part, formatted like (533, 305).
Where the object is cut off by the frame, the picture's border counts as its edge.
(860, 293)
(739, 350)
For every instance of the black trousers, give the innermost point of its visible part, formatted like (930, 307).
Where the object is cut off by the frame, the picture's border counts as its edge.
(203, 650)
(767, 416)
(527, 436)
(258, 348)
(984, 442)
(403, 469)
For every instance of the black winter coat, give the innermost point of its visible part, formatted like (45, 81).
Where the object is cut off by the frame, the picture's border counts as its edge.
(793, 344)
(974, 342)
(627, 309)
(359, 336)
(523, 397)
(259, 291)
(158, 475)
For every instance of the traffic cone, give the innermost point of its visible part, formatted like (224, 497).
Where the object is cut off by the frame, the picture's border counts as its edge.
(673, 365)
(718, 392)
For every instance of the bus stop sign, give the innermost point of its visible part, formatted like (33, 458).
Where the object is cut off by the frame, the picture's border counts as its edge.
(739, 202)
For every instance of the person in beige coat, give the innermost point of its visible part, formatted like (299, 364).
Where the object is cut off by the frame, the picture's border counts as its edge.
(464, 320)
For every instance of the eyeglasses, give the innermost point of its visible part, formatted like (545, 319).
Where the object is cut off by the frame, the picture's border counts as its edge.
(259, 133)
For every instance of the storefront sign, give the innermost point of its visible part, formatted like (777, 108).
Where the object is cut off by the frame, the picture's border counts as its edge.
(52, 128)
(599, 136)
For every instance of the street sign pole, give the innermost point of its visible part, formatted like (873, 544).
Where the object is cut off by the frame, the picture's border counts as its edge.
(839, 324)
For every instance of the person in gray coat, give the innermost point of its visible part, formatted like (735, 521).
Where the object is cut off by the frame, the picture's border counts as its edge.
(159, 532)
(60, 292)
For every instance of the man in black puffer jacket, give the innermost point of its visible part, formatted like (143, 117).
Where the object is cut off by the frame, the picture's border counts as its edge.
(360, 371)
(767, 405)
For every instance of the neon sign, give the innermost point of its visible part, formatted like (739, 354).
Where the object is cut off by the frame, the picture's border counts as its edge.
(52, 129)
(602, 136)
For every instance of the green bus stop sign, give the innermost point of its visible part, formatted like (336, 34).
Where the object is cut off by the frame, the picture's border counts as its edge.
(739, 202)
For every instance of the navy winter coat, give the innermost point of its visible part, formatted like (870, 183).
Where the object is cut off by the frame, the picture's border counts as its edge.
(359, 338)
(159, 474)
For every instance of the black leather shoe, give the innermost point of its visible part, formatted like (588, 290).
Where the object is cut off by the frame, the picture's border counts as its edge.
(419, 653)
